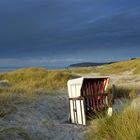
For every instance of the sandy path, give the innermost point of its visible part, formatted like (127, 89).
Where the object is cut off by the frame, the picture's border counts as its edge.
(44, 119)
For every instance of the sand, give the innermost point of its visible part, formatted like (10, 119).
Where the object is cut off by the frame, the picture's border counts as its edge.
(45, 118)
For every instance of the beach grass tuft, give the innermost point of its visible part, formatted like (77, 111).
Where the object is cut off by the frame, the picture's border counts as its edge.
(123, 126)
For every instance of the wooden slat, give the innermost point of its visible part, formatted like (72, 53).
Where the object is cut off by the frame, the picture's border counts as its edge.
(76, 112)
(81, 112)
(94, 100)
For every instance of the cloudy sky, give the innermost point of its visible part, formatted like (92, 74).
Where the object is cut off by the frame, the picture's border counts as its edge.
(61, 32)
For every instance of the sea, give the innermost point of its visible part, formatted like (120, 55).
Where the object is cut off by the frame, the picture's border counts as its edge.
(8, 69)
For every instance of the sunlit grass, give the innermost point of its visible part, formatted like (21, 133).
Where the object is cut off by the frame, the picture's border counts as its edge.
(114, 68)
(123, 126)
(31, 79)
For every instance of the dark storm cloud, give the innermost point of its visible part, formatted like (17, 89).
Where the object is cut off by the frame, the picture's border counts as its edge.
(50, 30)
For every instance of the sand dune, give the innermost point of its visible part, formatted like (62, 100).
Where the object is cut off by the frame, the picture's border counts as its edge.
(43, 119)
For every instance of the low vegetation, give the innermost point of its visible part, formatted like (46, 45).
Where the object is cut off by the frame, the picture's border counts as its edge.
(14, 133)
(123, 126)
(124, 92)
(114, 68)
(9, 102)
(33, 80)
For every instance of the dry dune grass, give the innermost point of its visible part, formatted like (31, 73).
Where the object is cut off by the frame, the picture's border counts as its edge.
(114, 68)
(31, 79)
(123, 126)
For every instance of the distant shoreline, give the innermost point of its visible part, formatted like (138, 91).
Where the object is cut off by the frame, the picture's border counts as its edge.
(8, 69)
